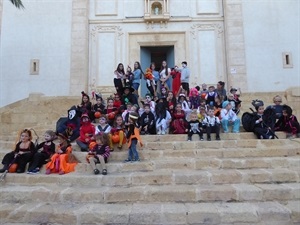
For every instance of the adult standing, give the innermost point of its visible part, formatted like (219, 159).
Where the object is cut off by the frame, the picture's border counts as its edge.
(165, 74)
(156, 76)
(137, 76)
(185, 77)
(118, 78)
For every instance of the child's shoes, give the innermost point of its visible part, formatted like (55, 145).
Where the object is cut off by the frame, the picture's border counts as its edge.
(96, 171)
(48, 171)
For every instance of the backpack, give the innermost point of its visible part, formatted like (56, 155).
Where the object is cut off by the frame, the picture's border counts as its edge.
(247, 121)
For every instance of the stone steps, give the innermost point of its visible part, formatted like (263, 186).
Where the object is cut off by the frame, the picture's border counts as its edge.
(232, 213)
(151, 193)
(158, 177)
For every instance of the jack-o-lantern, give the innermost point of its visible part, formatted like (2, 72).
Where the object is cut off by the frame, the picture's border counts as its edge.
(203, 95)
(92, 145)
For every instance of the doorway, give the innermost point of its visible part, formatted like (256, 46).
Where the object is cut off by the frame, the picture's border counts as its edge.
(155, 54)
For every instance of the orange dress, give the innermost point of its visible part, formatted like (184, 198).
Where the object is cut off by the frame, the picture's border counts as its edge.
(60, 162)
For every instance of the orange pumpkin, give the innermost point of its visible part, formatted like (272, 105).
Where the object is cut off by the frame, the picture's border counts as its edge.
(13, 168)
(97, 115)
(111, 115)
(115, 138)
(92, 145)
(203, 95)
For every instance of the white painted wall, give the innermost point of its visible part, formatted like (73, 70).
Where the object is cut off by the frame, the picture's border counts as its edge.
(271, 27)
(41, 31)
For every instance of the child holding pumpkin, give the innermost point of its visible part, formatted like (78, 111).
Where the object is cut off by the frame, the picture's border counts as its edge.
(110, 111)
(99, 153)
(22, 154)
(60, 160)
(150, 81)
(117, 135)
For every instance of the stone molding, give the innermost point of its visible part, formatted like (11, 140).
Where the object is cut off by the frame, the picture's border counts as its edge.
(196, 27)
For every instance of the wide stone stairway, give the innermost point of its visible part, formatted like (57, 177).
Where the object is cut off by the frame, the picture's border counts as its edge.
(236, 181)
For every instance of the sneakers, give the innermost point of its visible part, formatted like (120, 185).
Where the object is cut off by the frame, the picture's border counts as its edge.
(104, 172)
(127, 160)
(34, 171)
(135, 160)
(208, 138)
(163, 132)
(201, 138)
(96, 171)
(189, 138)
(218, 138)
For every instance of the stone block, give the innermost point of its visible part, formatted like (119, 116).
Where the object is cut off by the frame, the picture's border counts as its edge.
(86, 195)
(173, 214)
(237, 213)
(247, 192)
(283, 175)
(216, 193)
(192, 177)
(202, 213)
(123, 194)
(225, 176)
(183, 164)
(116, 180)
(153, 178)
(145, 214)
(294, 189)
(294, 207)
(273, 192)
(255, 176)
(204, 163)
(178, 193)
(272, 211)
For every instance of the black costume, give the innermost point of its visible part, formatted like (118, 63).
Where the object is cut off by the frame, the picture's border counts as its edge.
(147, 119)
(195, 127)
(39, 158)
(261, 129)
(21, 160)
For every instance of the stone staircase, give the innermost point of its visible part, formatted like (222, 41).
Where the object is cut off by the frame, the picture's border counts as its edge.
(236, 181)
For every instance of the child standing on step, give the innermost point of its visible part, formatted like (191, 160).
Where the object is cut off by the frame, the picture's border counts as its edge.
(212, 124)
(99, 153)
(133, 136)
(40, 158)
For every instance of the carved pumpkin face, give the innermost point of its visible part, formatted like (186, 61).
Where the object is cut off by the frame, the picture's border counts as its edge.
(111, 116)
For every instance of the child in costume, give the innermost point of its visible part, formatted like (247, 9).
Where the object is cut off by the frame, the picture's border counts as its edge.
(194, 98)
(85, 105)
(99, 153)
(110, 111)
(236, 97)
(262, 129)
(22, 154)
(117, 101)
(210, 96)
(179, 124)
(277, 107)
(228, 117)
(40, 158)
(59, 162)
(99, 106)
(171, 100)
(128, 78)
(103, 126)
(194, 126)
(117, 135)
(162, 117)
(147, 121)
(288, 123)
(211, 123)
(133, 136)
(87, 131)
(185, 104)
(176, 83)
(148, 100)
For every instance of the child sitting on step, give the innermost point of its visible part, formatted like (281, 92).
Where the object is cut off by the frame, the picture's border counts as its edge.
(59, 162)
(212, 124)
(117, 134)
(98, 153)
(194, 126)
(228, 117)
(288, 123)
(48, 149)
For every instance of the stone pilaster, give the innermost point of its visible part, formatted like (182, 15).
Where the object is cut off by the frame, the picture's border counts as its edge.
(1, 10)
(79, 47)
(235, 44)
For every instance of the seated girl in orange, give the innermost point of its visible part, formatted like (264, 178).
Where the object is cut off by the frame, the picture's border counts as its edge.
(60, 160)
(117, 132)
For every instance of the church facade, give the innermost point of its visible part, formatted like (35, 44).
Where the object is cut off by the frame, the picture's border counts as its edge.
(60, 48)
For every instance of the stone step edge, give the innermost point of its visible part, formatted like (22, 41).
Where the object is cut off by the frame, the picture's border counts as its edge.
(154, 213)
